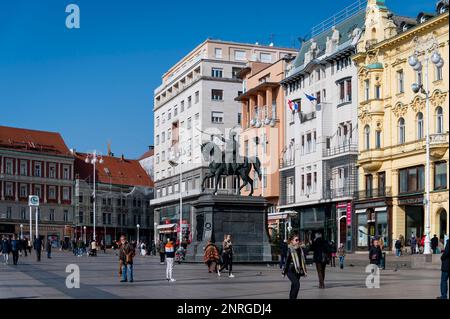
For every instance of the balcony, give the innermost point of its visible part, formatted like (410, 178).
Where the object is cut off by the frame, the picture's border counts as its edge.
(334, 193)
(341, 149)
(286, 163)
(371, 160)
(438, 145)
(373, 193)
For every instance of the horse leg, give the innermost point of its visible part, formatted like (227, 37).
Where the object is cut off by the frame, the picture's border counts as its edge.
(218, 174)
(250, 181)
(208, 175)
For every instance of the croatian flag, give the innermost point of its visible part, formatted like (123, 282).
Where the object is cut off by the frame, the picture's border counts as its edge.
(293, 106)
(310, 97)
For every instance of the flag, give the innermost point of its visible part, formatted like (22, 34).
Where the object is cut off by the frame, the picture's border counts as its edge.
(291, 105)
(310, 97)
(296, 106)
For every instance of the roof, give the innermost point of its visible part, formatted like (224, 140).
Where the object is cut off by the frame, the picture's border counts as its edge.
(26, 140)
(345, 29)
(113, 170)
(147, 154)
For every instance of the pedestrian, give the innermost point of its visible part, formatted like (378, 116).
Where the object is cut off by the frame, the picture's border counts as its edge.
(170, 255)
(375, 253)
(143, 251)
(422, 242)
(333, 253)
(15, 247)
(162, 252)
(38, 247)
(295, 266)
(126, 255)
(93, 248)
(413, 245)
(434, 244)
(211, 256)
(24, 242)
(398, 247)
(227, 257)
(444, 272)
(6, 249)
(49, 249)
(341, 254)
(283, 253)
(321, 257)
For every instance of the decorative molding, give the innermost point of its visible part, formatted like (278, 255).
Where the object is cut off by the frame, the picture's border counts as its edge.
(364, 116)
(398, 62)
(417, 104)
(438, 98)
(400, 109)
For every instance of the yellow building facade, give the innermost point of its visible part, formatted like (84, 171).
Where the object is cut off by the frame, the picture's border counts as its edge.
(392, 125)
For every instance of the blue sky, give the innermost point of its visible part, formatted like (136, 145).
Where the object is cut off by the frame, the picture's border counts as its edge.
(96, 83)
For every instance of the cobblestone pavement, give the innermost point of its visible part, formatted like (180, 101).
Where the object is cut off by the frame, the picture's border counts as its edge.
(99, 279)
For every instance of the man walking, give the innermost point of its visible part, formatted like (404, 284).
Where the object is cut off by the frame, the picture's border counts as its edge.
(444, 272)
(162, 252)
(126, 255)
(38, 248)
(5, 247)
(434, 244)
(15, 246)
(170, 255)
(49, 249)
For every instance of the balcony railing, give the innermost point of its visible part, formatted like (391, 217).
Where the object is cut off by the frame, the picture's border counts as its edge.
(287, 200)
(346, 148)
(286, 163)
(373, 193)
(439, 138)
(348, 191)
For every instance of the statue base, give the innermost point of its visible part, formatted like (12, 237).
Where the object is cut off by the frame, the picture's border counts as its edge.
(243, 217)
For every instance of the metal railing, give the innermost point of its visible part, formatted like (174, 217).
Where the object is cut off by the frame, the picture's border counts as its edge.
(373, 193)
(439, 138)
(286, 163)
(345, 148)
(348, 191)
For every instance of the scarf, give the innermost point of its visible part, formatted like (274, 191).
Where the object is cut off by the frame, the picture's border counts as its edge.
(299, 263)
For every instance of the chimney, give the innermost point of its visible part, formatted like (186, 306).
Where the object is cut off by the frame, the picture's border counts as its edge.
(109, 149)
(122, 158)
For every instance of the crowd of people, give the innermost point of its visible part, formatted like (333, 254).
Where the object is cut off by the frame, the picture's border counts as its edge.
(417, 244)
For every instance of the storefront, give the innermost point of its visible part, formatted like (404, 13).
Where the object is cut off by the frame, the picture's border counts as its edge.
(280, 224)
(317, 219)
(414, 215)
(372, 219)
(344, 223)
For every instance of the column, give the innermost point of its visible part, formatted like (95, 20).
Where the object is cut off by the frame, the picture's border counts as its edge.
(3, 190)
(1, 168)
(16, 186)
(59, 188)
(269, 98)
(45, 193)
(252, 102)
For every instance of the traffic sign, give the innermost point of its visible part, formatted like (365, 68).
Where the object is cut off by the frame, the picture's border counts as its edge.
(33, 200)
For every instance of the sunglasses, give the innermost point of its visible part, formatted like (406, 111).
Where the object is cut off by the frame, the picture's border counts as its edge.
(296, 239)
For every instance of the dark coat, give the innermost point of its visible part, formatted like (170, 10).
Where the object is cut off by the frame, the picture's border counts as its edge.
(49, 246)
(375, 255)
(320, 248)
(445, 258)
(5, 246)
(289, 266)
(434, 242)
(283, 249)
(38, 244)
(15, 245)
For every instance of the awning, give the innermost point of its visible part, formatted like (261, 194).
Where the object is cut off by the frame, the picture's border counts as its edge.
(166, 226)
(381, 209)
(359, 211)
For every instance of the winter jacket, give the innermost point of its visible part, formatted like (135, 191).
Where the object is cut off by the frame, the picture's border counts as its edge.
(126, 253)
(170, 250)
(445, 259)
(15, 245)
(6, 247)
(283, 249)
(375, 255)
(211, 253)
(321, 250)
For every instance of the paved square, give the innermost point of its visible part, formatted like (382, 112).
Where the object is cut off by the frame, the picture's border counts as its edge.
(99, 279)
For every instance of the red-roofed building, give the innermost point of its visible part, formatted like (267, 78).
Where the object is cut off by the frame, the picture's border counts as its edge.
(36, 163)
(123, 194)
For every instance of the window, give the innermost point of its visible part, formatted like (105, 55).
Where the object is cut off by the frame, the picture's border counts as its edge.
(37, 169)
(189, 101)
(239, 118)
(163, 156)
(419, 126)
(23, 190)
(66, 172)
(157, 139)
(377, 92)
(303, 184)
(438, 73)
(218, 53)
(9, 189)
(239, 55)
(234, 72)
(157, 121)
(66, 215)
(411, 179)
(440, 175)
(23, 213)
(349, 91)
(217, 117)
(9, 166)
(378, 139)
(169, 114)
(197, 97)
(189, 123)
(366, 90)
(52, 192)
(318, 97)
(66, 193)
(216, 73)
(163, 137)
(52, 171)
(217, 95)
(175, 111)
(308, 183)
(341, 92)
(52, 215)
(38, 191)
(439, 120)
(163, 118)
(401, 131)
(400, 82)
(318, 75)
(369, 185)
(381, 183)
(8, 212)
(182, 107)
(367, 137)
(265, 57)
(23, 168)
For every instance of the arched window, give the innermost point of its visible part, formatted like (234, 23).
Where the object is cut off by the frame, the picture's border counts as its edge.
(419, 126)
(439, 120)
(401, 130)
(367, 136)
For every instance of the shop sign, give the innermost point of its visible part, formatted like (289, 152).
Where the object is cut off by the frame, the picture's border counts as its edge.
(349, 214)
(411, 201)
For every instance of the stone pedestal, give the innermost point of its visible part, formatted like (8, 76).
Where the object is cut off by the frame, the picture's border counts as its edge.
(243, 217)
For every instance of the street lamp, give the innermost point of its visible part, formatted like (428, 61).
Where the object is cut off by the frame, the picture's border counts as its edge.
(429, 47)
(84, 227)
(137, 226)
(21, 231)
(174, 161)
(93, 158)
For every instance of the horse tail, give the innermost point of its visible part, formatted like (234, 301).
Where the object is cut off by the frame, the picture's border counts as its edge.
(257, 167)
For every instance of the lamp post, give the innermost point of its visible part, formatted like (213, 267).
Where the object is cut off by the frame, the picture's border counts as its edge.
(429, 48)
(84, 228)
(174, 162)
(21, 231)
(138, 226)
(93, 158)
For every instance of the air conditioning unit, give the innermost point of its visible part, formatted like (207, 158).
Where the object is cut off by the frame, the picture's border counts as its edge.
(258, 124)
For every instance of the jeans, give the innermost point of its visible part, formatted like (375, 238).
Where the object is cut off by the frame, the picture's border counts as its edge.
(5, 258)
(15, 256)
(444, 284)
(162, 256)
(49, 254)
(227, 263)
(295, 284)
(169, 268)
(282, 261)
(341, 261)
(38, 255)
(398, 252)
(127, 269)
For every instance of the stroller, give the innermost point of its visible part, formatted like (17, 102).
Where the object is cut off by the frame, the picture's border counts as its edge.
(180, 255)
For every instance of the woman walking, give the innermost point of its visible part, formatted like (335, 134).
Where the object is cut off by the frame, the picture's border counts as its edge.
(227, 256)
(321, 257)
(295, 265)
(211, 256)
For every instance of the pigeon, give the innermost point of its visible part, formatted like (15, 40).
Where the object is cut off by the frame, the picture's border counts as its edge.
(259, 274)
(396, 267)
(351, 265)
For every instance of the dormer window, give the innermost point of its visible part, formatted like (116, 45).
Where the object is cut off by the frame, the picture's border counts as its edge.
(405, 27)
(423, 19)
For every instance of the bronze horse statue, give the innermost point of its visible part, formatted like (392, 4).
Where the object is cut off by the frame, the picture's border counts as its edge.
(218, 168)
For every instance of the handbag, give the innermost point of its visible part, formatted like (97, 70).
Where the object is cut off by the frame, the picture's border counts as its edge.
(325, 258)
